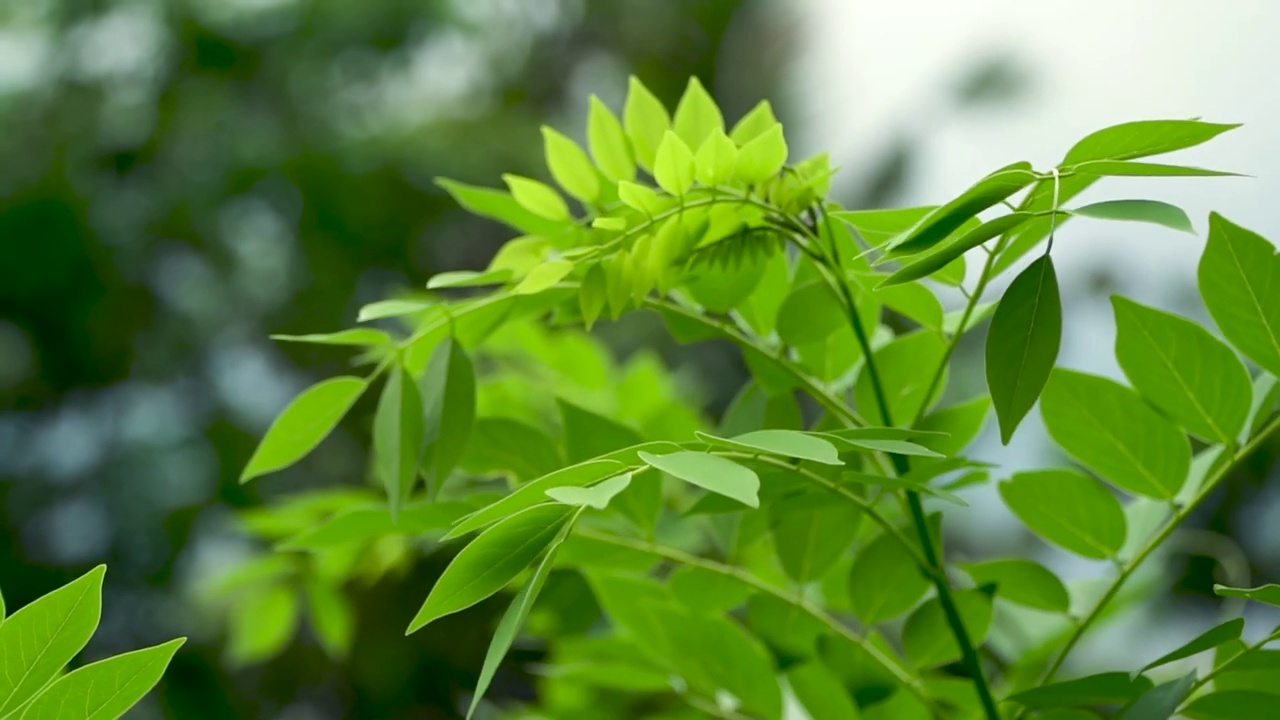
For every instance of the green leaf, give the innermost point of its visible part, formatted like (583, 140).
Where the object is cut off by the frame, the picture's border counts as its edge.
(608, 143)
(596, 496)
(709, 472)
(646, 121)
(106, 689)
(877, 227)
(673, 165)
(957, 425)
(398, 435)
(1148, 211)
(885, 581)
(914, 301)
(1268, 594)
(1183, 370)
(1023, 343)
(262, 625)
(1023, 582)
(716, 159)
(703, 591)
(506, 445)
(1249, 669)
(500, 206)
(939, 258)
(588, 435)
(543, 276)
(570, 166)
(392, 308)
(902, 483)
(810, 541)
(1132, 140)
(820, 692)
(1112, 688)
(926, 636)
(468, 278)
(332, 618)
(360, 337)
(1208, 640)
(1161, 701)
(809, 313)
(492, 560)
(368, 522)
(1108, 428)
(513, 619)
(307, 420)
(941, 222)
(2, 608)
(697, 115)
(755, 123)
(887, 445)
(536, 197)
(448, 391)
(1068, 509)
(905, 366)
(762, 157)
(760, 309)
(639, 197)
(1233, 705)
(1135, 169)
(593, 295)
(721, 289)
(1240, 281)
(786, 443)
(42, 637)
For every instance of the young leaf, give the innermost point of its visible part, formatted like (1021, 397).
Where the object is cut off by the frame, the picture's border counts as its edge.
(492, 560)
(1183, 370)
(1148, 211)
(646, 121)
(673, 165)
(709, 472)
(1269, 594)
(1023, 343)
(787, 443)
(639, 197)
(1239, 278)
(301, 426)
(596, 496)
(570, 166)
(448, 393)
(1113, 688)
(755, 123)
(716, 159)
(941, 222)
(1068, 509)
(593, 295)
(1132, 140)
(885, 581)
(543, 276)
(359, 337)
(1110, 430)
(608, 143)
(762, 157)
(536, 197)
(105, 689)
(398, 436)
(1233, 705)
(926, 636)
(697, 115)
(500, 206)
(1208, 640)
(42, 637)
(1161, 701)
(1023, 582)
(810, 541)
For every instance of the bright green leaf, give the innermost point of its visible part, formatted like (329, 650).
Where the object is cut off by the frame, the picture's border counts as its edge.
(332, 618)
(392, 308)
(810, 541)
(596, 496)
(1023, 582)
(755, 123)
(448, 391)
(368, 522)
(1119, 168)
(697, 115)
(513, 447)
(762, 157)
(820, 692)
(673, 165)
(261, 625)
(1068, 509)
(398, 435)
(905, 367)
(1240, 281)
(500, 206)
(787, 443)
(1208, 640)
(543, 277)
(360, 337)
(1132, 140)
(809, 314)
(1023, 343)
(608, 143)
(1148, 211)
(570, 166)
(639, 197)
(301, 426)
(926, 636)
(536, 197)
(716, 159)
(885, 581)
(646, 121)
(939, 258)
(593, 295)
(106, 689)
(1269, 594)
(709, 472)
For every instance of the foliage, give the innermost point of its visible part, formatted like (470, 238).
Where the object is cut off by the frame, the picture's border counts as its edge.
(39, 639)
(786, 553)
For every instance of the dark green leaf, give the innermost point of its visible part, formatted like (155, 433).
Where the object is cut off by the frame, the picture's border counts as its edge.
(703, 591)
(1068, 509)
(906, 365)
(588, 435)
(810, 541)
(1212, 638)
(809, 314)
(940, 257)
(1234, 705)
(956, 425)
(1132, 140)
(885, 581)
(941, 222)
(927, 640)
(709, 472)
(301, 426)
(1240, 281)
(1023, 582)
(1120, 168)
(1148, 211)
(1113, 688)
(1161, 701)
(398, 435)
(367, 522)
(512, 447)
(449, 406)
(1023, 343)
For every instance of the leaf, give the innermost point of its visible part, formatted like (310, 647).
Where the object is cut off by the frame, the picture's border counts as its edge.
(786, 443)
(1249, 669)
(543, 276)
(673, 165)
(755, 123)
(1132, 140)
(884, 581)
(891, 446)
(1110, 430)
(703, 591)
(513, 447)
(392, 308)
(1023, 343)
(809, 542)
(1208, 640)
(914, 301)
(939, 258)
(468, 278)
(639, 197)
(262, 625)
(514, 618)
(570, 166)
(762, 157)
(1233, 705)
(589, 435)
(926, 636)
(500, 206)
(359, 337)
(1148, 211)
(820, 692)
(596, 496)
(365, 523)
(307, 420)
(106, 689)
(332, 618)
(716, 159)
(1117, 168)
(760, 309)
(956, 426)
(877, 227)
(608, 143)
(398, 435)
(1183, 370)
(809, 313)
(1239, 278)
(41, 637)
(905, 365)
(1112, 688)
(448, 391)
(697, 115)
(537, 197)
(646, 121)
(941, 222)
(1268, 594)
(709, 472)
(1023, 582)
(1068, 509)
(1161, 701)
(492, 560)
(593, 295)
(903, 483)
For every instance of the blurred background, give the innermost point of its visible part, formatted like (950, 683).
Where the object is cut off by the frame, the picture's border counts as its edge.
(180, 178)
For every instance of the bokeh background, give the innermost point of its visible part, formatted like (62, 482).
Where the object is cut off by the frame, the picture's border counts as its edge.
(180, 178)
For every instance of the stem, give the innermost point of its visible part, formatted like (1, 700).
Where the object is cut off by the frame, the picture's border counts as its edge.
(1128, 568)
(1275, 635)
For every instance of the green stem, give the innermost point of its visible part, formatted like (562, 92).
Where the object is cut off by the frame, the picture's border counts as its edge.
(1275, 635)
